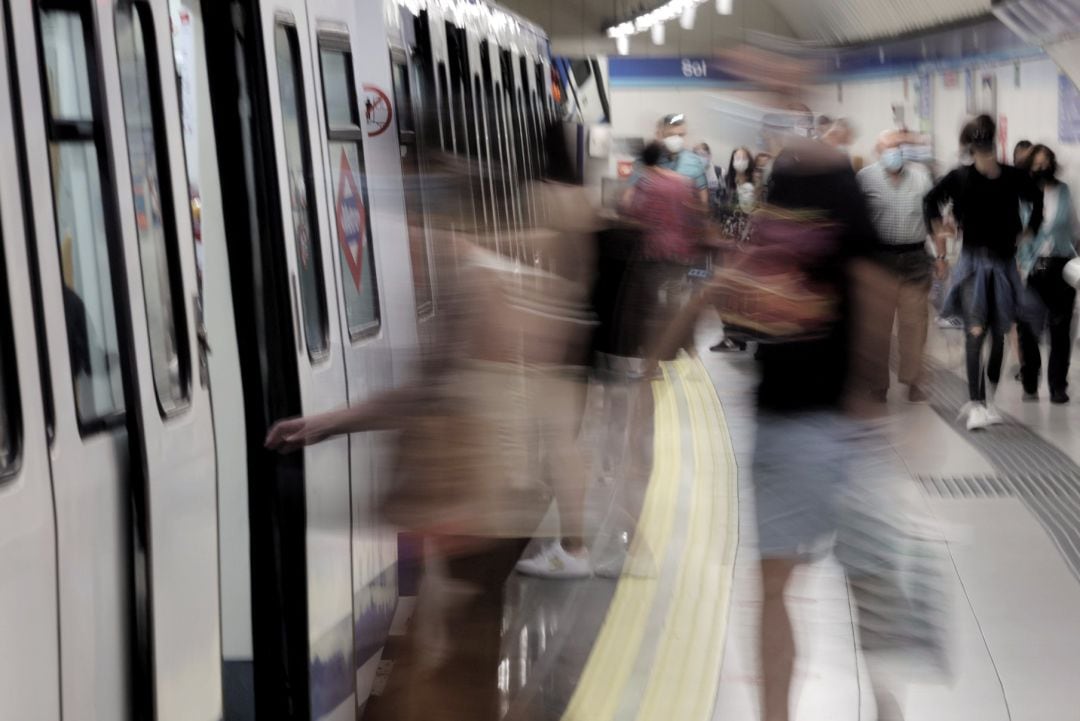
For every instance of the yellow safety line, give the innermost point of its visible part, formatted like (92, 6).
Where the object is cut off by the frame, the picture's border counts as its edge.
(616, 649)
(686, 669)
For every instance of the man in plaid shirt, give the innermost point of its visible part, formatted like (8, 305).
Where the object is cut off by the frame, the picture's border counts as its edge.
(901, 277)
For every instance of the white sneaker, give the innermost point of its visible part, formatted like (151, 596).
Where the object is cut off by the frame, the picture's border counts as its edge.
(977, 418)
(993, 415)
(553, 561)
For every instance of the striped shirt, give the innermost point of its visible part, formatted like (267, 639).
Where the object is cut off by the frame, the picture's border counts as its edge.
(896, 208)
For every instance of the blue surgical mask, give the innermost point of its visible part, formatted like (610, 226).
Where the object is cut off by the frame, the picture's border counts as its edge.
(892, 159)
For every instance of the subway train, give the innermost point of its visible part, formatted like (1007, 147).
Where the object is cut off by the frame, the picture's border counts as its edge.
(214, 217)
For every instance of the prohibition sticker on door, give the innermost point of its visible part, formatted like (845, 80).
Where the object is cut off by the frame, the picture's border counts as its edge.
(377, 111)
(352, 220)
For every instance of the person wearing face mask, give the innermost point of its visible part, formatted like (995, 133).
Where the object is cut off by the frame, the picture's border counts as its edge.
(986, 286)
(712, 173)
(1048, 301)
(738, 202)
(676, 157)
(901, 275)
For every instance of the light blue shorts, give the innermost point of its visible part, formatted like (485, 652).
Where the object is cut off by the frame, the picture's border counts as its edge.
(800, 473)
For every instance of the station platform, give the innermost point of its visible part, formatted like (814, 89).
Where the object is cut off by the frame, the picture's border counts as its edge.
(674, 636)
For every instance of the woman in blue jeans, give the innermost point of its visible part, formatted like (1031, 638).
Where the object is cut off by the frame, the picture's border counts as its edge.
(986, 287)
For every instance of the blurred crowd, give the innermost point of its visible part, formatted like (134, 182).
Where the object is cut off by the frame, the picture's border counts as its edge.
(809, 262)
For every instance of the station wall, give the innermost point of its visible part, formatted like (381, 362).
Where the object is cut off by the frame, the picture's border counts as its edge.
(1030, 108)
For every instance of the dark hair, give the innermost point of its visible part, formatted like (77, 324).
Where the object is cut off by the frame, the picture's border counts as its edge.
(1025, 163)
(558, 163)
(823, 120)
(966, 133)
(705, 146)
(729, 181)
(1050, 155)
(650, 156)
(983, 133)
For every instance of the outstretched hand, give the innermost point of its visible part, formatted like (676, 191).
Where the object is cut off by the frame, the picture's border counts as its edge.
(292, 434)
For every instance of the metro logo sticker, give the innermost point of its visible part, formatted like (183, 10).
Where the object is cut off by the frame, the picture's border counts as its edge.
(351, 220)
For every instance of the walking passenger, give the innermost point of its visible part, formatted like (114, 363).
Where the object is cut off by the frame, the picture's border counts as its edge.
(901, 276)
(1048, 301)
(666, 205)
(986, 199)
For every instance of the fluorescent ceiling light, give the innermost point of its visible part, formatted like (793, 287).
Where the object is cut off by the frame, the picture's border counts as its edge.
(725, 7)
(622, 44)
(682, 10)
(686, 20)
(658, 34)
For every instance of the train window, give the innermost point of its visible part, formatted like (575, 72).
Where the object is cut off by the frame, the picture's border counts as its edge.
(79, 208)
(444, 110)
(154, 219)
(301, 188)
(9, 387)
(414, 200)
(349, 175)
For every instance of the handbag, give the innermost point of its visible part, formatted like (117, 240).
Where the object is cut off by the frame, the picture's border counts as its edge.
(765, 285)
(896, 571)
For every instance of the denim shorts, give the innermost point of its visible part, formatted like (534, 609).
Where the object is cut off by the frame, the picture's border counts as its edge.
(800, 473)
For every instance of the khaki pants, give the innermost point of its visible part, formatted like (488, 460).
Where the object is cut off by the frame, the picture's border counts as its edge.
(894, 287)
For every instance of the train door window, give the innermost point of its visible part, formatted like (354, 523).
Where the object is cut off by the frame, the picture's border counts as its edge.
(301, 187)
(74, 134)
(154, 220)
(9, 388)
(349, 183)
(414, 201)
(445, 121)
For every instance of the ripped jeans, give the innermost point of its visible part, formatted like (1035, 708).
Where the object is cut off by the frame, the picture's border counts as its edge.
(976, 331)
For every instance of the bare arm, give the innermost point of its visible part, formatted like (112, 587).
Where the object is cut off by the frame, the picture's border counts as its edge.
(386, 411)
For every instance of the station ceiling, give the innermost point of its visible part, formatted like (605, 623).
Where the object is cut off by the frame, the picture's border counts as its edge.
(578, 25)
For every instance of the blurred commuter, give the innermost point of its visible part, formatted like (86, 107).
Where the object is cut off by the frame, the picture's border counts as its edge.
(712, 173)
(840, 135)
(822, 125)
(894, 190)
(986, 199)
(739, 200)
(762, 165)
(1022, 155)
(487, 432)
(665, 203)
(800, 454)
(676, 157)
(1048, 301)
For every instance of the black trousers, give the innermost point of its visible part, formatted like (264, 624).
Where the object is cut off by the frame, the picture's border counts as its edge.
(1052, 301)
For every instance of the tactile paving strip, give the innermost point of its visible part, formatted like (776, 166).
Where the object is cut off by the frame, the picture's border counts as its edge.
(1027, 467)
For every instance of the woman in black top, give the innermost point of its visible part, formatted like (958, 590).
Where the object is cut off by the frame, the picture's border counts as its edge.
(986, 198)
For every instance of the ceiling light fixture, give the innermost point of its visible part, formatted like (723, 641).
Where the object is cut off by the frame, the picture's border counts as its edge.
(725, 7)
(682, 10)
(686, 20)
(658, 34)
(622, 44)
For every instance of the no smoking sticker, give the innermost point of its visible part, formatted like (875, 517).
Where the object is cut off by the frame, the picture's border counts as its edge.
(377, 111)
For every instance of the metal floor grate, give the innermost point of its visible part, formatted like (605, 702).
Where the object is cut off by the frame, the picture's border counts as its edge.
(1027, 467)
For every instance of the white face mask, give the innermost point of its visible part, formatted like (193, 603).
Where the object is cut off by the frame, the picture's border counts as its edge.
(740, 165)
(674, 143)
